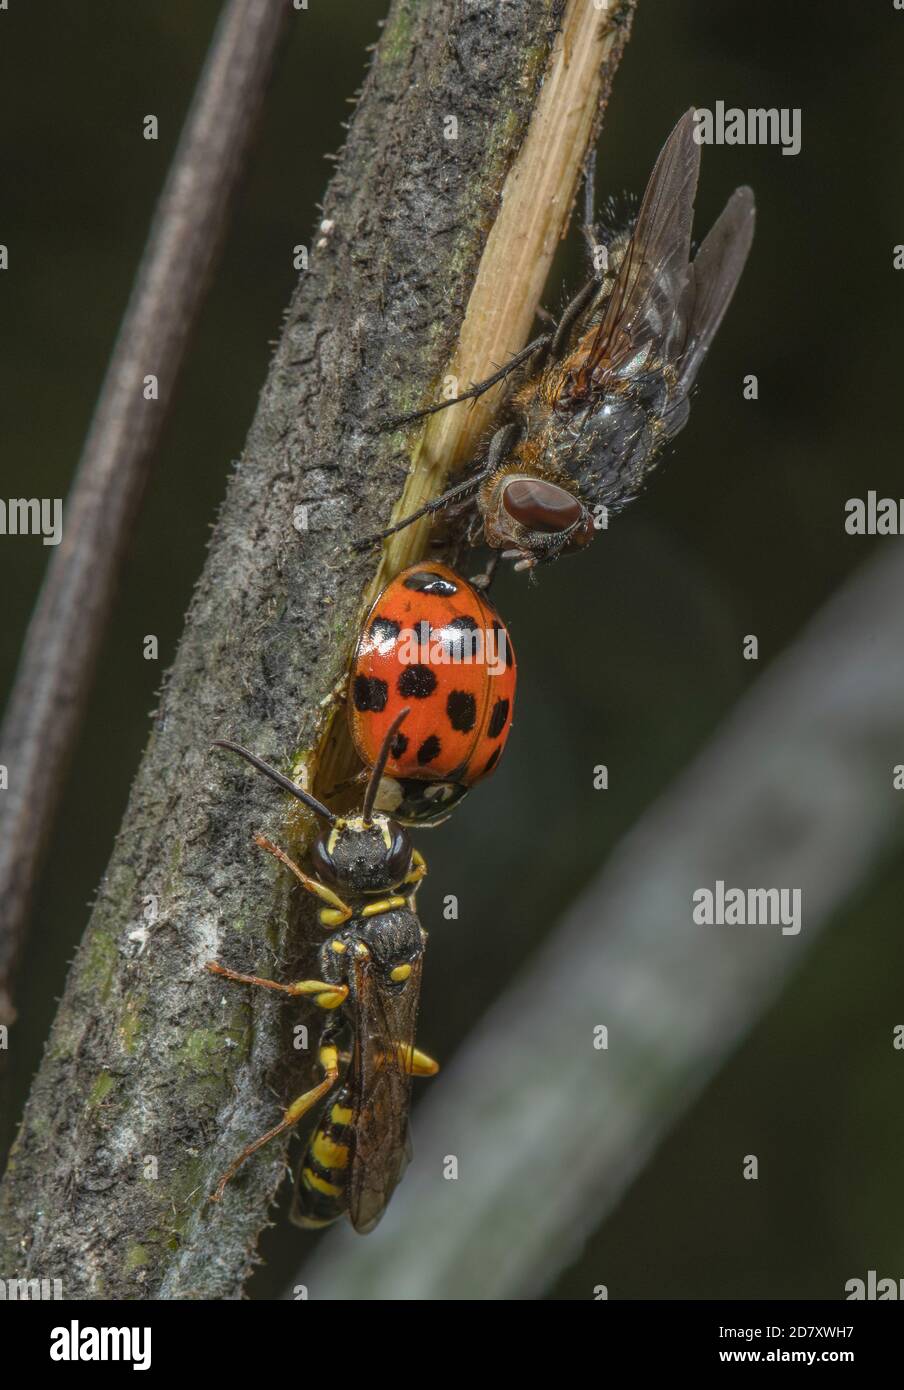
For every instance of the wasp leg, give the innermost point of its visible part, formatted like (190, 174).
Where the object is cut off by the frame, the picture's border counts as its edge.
(325, 996)
(540, 344)
(415, 1062)
(332, 916)
(383, 905)
(329, 1060)
(418, 868)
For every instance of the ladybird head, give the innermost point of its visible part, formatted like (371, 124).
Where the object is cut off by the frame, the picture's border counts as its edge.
(367, 853)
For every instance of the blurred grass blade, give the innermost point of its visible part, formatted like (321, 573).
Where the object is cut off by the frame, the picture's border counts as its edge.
(56, 670)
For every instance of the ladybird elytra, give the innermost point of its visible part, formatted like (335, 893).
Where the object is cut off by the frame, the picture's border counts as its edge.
(431, 642)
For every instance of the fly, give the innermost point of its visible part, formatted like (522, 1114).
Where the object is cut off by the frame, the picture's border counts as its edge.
(593, 402)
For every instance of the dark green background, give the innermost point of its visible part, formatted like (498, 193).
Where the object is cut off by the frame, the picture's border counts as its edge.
(629, 655)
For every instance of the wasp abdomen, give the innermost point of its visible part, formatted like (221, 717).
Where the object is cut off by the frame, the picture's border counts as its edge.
(321, 1195)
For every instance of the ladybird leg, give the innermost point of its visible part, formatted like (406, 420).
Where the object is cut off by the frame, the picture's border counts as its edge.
(326, 996)
(337, 694)
(328, 1058)
(540, 344)
(339, 911)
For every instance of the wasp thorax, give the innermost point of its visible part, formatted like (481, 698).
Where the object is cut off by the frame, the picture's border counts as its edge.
(363, 858)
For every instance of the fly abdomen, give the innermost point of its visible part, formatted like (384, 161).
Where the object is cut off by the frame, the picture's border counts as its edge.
(321, 1193)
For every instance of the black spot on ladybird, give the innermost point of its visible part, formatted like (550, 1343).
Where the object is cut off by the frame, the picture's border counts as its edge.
(422, 635)
(462, 711)
(369, 693)
(428, 750)
(384, 630)
(416, 682)
(498, 718)
(398, 745)
(429, 582)
(492, 760)
(461, 640)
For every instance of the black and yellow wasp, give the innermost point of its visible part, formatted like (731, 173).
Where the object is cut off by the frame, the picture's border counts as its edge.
(365, 874)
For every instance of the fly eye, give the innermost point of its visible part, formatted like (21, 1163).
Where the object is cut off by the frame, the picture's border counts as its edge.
(398, 857)
(322, 862)
(540, 506)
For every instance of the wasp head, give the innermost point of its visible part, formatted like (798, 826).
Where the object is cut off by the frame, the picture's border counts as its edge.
(360, 857)
(367, 853)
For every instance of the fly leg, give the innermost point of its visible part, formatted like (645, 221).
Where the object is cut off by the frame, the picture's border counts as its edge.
(589, 225)
(328, 1057)
(435, 506)
(500, 445)
(540, 344)
(570, 314)
(484, 580)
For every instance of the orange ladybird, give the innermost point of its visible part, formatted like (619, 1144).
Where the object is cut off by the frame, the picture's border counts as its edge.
(434, 645)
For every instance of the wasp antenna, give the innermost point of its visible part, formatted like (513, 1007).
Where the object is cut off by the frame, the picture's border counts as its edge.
(285, 782)
(379, 766)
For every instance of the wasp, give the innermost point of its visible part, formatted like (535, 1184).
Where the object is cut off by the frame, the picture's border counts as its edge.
(365, 876)
(593, 401)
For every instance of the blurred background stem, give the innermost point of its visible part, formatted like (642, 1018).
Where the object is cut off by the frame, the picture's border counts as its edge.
(53, 684)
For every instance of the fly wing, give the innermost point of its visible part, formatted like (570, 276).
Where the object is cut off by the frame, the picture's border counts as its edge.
(386, 1024)
(650, 287)
(713, 278)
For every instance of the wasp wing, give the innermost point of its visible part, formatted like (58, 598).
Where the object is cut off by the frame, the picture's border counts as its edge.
(386, 1022)
(650, 285)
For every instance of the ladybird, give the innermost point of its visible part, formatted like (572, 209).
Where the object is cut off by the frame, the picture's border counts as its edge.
(432, 643)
